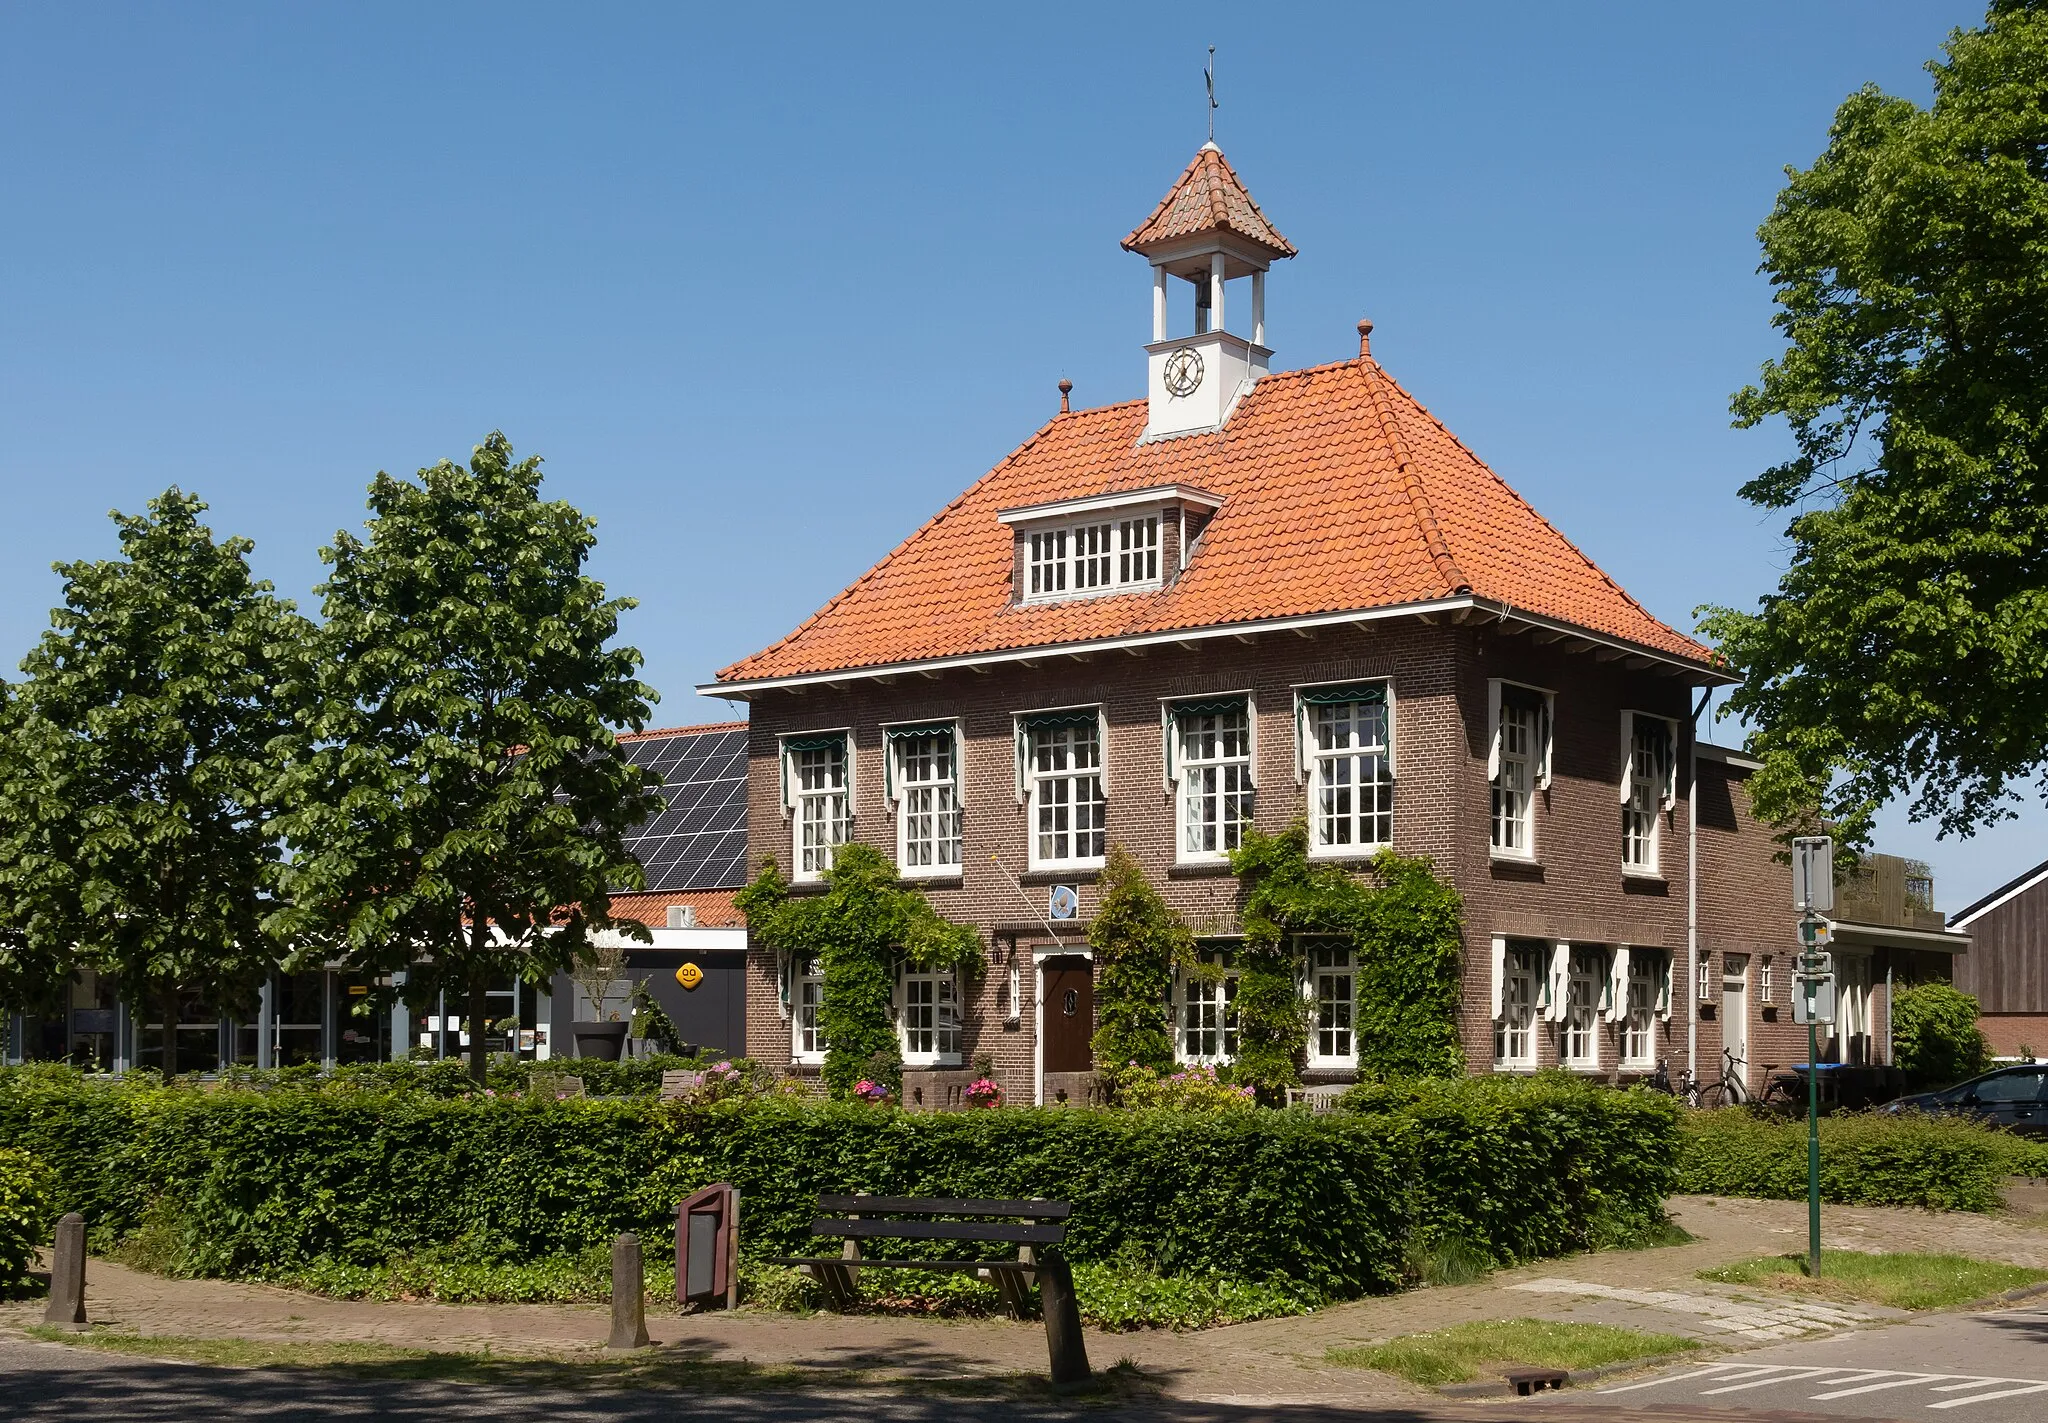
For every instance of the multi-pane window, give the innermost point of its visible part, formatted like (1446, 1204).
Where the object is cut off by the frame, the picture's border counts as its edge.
(1649, 753)
(1333, 984)
(1215, 756)
(1137, 545)
(1079, 559)
(1351, 785)
(1581, 1038)
(1067, 804)
(931, 1017)
(1514, 1038)
(806, 992)
(1646, 970)
(1207, 1021)
(928, 808)
(817, 771)
(1518, 746)
(1766, 990)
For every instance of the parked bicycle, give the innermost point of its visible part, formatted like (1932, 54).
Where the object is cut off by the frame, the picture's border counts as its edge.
(1724, 1093)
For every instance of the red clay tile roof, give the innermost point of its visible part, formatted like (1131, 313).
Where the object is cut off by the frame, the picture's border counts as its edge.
(714, 908)
(1340, 493)
(1206, 197)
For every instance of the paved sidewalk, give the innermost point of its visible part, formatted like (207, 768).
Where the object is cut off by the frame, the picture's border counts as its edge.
(1270, 1361)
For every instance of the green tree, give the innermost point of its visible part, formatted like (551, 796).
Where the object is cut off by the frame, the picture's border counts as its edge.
(1138, 943)
(133, 799)
(857, 931)
(455, 799)
(1935, 1037)
(32, 972)
(1904, 649)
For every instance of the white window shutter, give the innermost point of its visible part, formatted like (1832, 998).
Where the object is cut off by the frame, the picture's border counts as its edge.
(1251, 733)
(1493, 728)
(785, 974)
(1546, 736)
(1500, 972)
(1301, 739)
(1667, 989)
(1102, 740)
(782, 756)
(1617, 984)
(892, 769)
(1669, 797)
(1169, 770)
(1560, 980)
(1390, 726)
(1628, 755)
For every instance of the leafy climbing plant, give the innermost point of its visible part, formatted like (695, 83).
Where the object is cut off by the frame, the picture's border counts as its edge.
(1138, 943)
(857, 930)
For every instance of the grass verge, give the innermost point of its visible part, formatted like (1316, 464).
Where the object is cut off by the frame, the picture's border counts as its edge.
(1902, 1280)
(1465, 1350)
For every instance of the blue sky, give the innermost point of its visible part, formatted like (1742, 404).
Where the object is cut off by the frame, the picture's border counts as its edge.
(767, 285)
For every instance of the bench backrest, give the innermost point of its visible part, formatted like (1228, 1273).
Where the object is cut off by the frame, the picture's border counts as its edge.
(917, 1218)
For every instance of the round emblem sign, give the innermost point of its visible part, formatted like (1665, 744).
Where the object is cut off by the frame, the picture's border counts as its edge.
(1183, 372)
(689, 975)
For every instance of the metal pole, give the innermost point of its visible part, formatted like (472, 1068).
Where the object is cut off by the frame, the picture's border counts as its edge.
(1811, 987)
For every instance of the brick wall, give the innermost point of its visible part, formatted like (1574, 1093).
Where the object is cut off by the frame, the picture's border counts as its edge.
(1574, 889)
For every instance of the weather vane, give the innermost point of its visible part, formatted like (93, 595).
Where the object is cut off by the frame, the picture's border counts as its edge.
(1209, 75)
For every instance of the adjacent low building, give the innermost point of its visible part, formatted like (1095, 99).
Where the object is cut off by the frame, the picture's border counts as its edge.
(2007, 967)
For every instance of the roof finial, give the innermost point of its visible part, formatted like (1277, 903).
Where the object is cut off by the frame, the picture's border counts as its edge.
(1365, 338)
(1209, 76)
(1066, 389)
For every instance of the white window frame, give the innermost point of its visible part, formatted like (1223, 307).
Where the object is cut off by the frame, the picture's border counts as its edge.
(928, 1017)
(1528, 764)
(806, 996)
(1517, 1001)
(1367, 769)
(1646, 982)
(1332, 993)
(937, 798)
(1766, 988)
(1033, 784)
(1214, 1002)
(1648, 789)
(1091, 557)
(799, 804)
(1225, 778)
(1585, 988)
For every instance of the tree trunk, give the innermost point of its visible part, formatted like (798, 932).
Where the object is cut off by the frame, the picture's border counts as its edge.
(170, 1011)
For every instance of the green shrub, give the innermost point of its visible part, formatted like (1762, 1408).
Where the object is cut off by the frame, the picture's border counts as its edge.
(1192, 1089)
(27, 1192)
(1940, 1163)
(276, 1183)
(1935, 1038)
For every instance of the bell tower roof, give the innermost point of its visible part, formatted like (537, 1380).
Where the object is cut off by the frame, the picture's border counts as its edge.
(1207, 198)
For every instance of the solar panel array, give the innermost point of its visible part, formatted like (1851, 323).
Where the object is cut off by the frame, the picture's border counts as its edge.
(700, 840)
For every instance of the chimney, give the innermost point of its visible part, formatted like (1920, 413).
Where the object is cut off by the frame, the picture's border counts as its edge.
(1365, 339)
(682, 916)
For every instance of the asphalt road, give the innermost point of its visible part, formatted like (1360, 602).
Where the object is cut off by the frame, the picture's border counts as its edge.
(1969, 1368)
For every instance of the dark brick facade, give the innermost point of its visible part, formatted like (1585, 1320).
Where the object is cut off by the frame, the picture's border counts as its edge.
(1438, 673)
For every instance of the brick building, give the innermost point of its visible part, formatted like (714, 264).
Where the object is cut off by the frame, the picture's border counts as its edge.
(1252, 597)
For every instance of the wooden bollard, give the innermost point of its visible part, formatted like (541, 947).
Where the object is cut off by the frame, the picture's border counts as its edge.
(629, 1295)
(67, 1275)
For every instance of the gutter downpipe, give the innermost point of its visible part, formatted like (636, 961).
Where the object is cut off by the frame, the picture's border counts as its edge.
(1692, 888)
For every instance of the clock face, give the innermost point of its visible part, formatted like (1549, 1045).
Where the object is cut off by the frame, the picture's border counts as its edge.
(1183, 372)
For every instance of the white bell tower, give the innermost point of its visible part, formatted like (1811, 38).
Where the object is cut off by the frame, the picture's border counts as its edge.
(1207, 232)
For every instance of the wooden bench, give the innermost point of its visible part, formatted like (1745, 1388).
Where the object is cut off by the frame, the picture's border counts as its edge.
(1037, 1228)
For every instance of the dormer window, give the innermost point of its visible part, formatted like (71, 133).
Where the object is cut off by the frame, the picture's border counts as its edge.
(1112, 543)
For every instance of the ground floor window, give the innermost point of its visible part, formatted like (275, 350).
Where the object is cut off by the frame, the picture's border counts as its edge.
(1206, 1015)
(930, 1017)
(1647, 969)
(806, 993)
(1514, 1038)
(1333, 986)
(1579, 1041)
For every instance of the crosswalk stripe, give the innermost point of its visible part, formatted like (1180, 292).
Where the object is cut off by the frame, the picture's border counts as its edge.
(1983, 1397)
(1796, 1376)
(1675, 1378)
(1906, 1382)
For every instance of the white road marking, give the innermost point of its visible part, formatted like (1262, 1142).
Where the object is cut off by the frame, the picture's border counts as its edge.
(1795, 1376)
(1721, 1369)
(1905, 1382)
(1974, 1381)
(1981, 1397)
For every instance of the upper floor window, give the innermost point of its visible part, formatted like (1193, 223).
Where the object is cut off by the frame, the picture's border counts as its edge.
(817, 792)
(1518, 974)
(1205, 1019)
(1209, 755)
(1094, 557)
(1060, 765)
(924, 770)
(1648, 786)
(929, 1013)
(1518, 764)
(1333, 989)
(1137, 543)
(1346, 738)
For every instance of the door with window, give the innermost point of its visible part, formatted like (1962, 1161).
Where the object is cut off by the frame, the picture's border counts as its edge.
(1067, 1013)
(1735, 1020)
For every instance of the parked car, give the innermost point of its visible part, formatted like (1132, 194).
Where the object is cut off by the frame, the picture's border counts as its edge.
(2015, 1097)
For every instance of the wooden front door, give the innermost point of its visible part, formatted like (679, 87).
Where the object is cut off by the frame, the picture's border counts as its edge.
(1068, 1012)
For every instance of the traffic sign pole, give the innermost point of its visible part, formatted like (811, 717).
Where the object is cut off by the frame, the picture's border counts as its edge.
(1813, 894)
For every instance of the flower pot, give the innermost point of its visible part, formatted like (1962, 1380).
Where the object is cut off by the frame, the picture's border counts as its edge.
(602, 1041)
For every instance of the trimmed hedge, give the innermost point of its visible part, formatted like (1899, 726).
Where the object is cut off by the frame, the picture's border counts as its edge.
(269, 1184)
(26, 1194)
(1940, 1163)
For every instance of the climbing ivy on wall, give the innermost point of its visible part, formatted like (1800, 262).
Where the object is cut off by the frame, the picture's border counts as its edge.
(857, 930)
(1404, 927)
(1138, 943)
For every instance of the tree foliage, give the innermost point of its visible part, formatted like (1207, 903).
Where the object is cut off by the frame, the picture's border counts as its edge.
(1138, 943)
(133, 795)
(455, 770)
(1904, 650)
(857, 931)
(1935, 1037)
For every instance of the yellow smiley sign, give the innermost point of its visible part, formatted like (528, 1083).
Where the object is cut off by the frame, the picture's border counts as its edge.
(689, 975)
